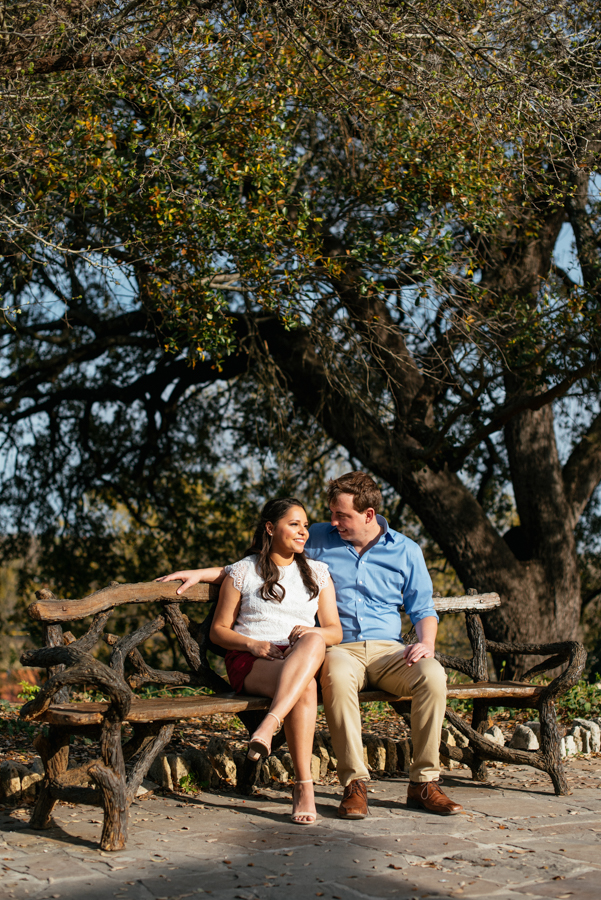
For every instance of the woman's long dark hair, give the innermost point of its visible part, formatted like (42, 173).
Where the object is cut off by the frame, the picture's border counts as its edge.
(272, 512)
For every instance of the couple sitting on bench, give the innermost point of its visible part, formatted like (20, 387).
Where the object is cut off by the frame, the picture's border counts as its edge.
(353, 574)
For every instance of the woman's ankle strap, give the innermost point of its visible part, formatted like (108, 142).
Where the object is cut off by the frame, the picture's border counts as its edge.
(278, 720)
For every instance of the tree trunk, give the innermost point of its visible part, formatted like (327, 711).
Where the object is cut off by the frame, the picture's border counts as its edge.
(544, 540)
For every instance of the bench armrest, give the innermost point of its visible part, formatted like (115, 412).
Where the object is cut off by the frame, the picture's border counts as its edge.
(572, 652)
(81, 668)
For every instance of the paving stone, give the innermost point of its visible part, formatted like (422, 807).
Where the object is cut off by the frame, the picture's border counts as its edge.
(257, 840)
(503, 805)
(394, 884)
(437, 882)
(387, 843)
(11, 881)
(98, 889)
(581, 887)
(465, 886)
(427, 847)
(49, 867)
(561, 828)
(210, 878)
(589, 853)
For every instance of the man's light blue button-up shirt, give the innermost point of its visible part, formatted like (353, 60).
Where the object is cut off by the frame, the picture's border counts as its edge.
(371, 588)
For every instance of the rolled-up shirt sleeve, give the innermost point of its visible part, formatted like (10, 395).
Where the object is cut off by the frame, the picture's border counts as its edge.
(417, 589)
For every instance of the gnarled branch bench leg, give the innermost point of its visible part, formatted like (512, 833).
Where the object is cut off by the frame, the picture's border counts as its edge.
(550, 746)
(110, 778)
(548, 762)
(54, 752)
(153, 738)
(479, 724)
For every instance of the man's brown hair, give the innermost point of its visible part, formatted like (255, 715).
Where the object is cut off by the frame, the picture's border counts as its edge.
(362, 487)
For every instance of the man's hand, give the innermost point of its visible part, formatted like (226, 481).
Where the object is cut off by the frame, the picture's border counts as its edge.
(265, 650)
(421, 650)
(189, 577)
(426, 630)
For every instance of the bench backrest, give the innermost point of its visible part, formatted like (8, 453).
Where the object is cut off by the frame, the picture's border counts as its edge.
(49, 609)
(192, 636)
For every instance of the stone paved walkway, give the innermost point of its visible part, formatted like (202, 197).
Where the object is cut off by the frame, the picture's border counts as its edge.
(515, 840)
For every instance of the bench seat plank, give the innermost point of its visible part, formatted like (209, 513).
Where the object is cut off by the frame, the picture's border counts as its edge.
(165, 709)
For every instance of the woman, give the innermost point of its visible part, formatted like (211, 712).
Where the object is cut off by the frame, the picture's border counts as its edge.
(265, 619)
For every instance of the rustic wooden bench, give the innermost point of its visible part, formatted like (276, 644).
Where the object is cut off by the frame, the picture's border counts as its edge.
(106, 781)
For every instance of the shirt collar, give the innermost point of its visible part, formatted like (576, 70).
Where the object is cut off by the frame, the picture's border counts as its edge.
(388, 535)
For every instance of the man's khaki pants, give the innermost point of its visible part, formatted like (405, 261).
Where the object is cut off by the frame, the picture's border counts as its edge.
(350, 668)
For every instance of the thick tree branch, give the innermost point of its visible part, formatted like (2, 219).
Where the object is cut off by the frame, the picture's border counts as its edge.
(72, 62)
(582, 471)
(153, 384)
(518, 404)
(587, 241)
(382, 336)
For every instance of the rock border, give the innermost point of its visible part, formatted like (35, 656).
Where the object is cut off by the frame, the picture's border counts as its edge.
(219, 764)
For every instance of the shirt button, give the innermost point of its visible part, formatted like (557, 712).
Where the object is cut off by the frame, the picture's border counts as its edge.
(360, 582)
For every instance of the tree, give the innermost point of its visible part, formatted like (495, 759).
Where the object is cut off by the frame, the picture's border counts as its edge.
(365, 259)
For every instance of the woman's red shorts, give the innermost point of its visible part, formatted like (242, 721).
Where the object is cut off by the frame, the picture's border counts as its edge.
(238, 664)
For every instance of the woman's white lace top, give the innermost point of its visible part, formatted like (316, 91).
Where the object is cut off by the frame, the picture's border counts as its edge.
(270, 620)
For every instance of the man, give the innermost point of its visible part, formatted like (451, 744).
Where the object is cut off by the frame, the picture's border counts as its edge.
(375, 571)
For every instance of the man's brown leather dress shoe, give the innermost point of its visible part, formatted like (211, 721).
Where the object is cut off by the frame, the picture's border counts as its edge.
(429, 795)
(354, 801)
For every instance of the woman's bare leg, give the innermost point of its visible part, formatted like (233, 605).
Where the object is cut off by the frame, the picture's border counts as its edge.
(293, 687)
(300, 731)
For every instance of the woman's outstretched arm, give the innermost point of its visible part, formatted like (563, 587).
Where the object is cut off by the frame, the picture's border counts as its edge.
(222, 630)
(213, 575)
(329, 621)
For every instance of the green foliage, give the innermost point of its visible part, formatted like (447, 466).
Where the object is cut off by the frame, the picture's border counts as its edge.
(372, 712)
(190, 784)
(15, 726)
(28, 691)
(583, 701)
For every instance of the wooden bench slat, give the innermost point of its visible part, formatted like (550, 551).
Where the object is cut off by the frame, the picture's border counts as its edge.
(166, 709)
(151, 592)
(472, 603)
(119, 595)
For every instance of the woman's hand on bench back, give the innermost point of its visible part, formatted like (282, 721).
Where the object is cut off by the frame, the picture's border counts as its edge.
(190, 577)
